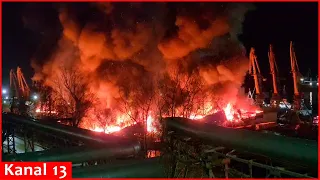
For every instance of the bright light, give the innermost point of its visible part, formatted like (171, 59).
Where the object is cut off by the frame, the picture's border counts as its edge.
(35, 97)
(301, 79)
(4, 102)
(317, 84)
(4, 91)
(310, 84)
(7, 97)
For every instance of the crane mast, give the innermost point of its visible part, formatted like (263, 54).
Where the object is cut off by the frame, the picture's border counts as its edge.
(13, 83)
(19, 88)
(295, 73)
(274, 72)
(23, 86)
(254, 70)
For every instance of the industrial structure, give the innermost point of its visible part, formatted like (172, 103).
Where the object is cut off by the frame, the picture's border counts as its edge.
(226, 152)
(189, 145)
(81, 147)
(295, 75)
(254, 70)
(275, 100)
(20, 91)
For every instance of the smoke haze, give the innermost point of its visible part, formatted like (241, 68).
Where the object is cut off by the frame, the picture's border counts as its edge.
(118, 46)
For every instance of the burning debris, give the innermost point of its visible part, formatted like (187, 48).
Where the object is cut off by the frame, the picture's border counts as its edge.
(118, 64)
(231, 117)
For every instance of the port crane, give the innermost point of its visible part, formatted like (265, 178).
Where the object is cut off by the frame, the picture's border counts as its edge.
(275, 100)
(295, 75)
(20, 91)
(254, 70)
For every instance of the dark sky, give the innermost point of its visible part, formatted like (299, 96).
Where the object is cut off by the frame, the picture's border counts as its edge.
(276, 23)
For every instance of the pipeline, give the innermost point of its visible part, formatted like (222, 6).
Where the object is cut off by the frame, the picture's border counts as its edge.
(73, 154)
(66, 131)
(105, 143)
(143, 168)
(304, 152)
(130, 130)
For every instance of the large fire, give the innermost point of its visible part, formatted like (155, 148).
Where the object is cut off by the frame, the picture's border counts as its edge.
(231, 114)
(123, 120)
(124, 64)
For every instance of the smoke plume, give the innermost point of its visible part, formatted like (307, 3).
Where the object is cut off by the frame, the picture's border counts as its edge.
(119, 46)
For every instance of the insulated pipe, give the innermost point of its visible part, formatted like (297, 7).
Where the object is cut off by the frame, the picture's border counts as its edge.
(304, 152)
(73, 154)
(107, 145)
(143, 168)
(69, 131)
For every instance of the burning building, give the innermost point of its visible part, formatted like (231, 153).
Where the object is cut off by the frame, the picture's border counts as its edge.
(118, 64)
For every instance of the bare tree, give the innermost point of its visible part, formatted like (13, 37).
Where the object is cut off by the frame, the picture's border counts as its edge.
(73, 94)
(137, 101)
(104, 117)
(170, 93)
(180, 92)
(45, 98)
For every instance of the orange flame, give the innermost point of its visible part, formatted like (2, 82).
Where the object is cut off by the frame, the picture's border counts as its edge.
(122, 120)
(109, 129)
(44, 110)
(150, 127)
(229, 112)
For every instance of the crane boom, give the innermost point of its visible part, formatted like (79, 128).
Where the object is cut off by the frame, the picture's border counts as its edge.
(273, 70)
(275, 100)
(295, 74)
(18, 83)
(23, 86)
(294, 69)
(13, 83)
(254, 70)
(19, 88)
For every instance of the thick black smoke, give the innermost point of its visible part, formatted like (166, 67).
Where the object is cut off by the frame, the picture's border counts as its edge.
(122, 45)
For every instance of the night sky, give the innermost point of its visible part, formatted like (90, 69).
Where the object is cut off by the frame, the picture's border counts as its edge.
(275, 23)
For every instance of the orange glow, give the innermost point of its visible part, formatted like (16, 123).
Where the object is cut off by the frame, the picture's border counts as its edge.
(97, 129)
(44, 110)
(150, 122)
(122, 121)
(111, 84)
(113, 121)
(109, 129)
(196, 117)
(102, 118)
(229, 112)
